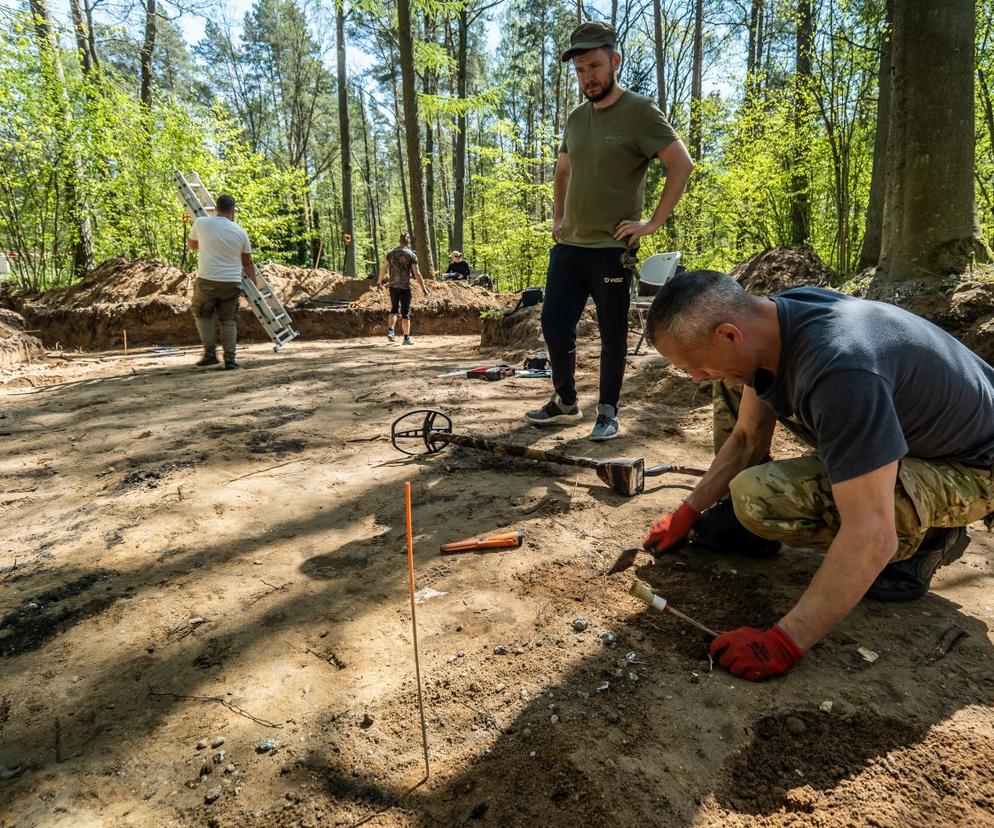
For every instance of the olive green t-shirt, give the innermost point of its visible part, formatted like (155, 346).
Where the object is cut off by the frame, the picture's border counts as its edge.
(609, 151)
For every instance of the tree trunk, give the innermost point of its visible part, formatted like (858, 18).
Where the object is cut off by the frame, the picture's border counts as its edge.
(76, 207)
(459, 160)
(930, 227)
(86, 59)
(869, 253)
(400, 153)
(90, 37)
(430, 86)
(371, 206)
(148, 52)
(800, 207)
(696, 82)
(348, 220)
(418, 209)
(754, 56)
(660, 48)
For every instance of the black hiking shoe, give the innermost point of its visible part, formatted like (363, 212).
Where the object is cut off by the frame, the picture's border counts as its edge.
(230, 364)
(910, 579)
(206, 359)
(717, 528)
(553, 412)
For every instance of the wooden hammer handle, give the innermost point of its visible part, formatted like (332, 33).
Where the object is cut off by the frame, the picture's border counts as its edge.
(502, 540)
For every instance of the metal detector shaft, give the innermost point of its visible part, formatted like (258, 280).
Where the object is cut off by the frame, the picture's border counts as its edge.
(516, 451)
(432, 429)
(666, 468)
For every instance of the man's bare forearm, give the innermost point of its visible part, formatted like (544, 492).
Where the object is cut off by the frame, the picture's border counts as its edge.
(560, 183)
(739, 452)
(676, 183)
(857, 555)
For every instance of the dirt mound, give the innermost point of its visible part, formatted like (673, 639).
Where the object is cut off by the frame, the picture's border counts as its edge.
(779, 268)
(966, 311)
(151, 300)
(119, 281)
(521, 331)
(16, 346)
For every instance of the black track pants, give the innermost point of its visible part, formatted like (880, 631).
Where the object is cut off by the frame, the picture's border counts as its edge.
(576, 273)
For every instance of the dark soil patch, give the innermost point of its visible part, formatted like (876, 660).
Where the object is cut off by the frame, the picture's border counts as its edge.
(215, 652)
(696, 586)
(282, 416)
(150, 478)
(812, 748)
(263, 442)
(40, 618)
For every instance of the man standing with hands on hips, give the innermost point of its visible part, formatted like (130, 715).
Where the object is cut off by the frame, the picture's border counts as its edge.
(599, 189)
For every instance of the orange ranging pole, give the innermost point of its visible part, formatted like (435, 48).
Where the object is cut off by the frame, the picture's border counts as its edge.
(414, 622)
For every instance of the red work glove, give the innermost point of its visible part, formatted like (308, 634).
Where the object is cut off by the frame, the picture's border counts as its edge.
(755, 655)
(669, 529)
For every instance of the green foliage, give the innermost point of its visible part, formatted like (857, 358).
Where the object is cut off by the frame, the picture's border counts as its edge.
(127, 158)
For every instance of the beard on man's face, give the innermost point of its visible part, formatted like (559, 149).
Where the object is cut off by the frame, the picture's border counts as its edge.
(606, 90)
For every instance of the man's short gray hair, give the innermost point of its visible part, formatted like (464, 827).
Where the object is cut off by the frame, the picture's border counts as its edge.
(690, 306)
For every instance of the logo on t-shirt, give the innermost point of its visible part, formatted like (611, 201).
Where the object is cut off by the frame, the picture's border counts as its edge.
(612, 137)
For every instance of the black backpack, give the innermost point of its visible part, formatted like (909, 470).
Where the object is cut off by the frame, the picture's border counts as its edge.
(529, 297)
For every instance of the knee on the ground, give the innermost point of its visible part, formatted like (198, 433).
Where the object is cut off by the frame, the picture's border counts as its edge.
(749, 491)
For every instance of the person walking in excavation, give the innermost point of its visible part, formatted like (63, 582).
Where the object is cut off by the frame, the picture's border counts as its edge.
(224, 256)
(402, 265)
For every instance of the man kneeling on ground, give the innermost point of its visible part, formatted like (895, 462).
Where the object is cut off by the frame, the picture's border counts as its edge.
(223, 255)
(901, 416)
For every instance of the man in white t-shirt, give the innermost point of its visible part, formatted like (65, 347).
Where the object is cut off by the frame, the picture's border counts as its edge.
(224, 254)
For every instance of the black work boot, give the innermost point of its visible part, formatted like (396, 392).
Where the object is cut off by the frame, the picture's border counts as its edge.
(717, 528)
(229, 363)
(910, 579)
(209, 358)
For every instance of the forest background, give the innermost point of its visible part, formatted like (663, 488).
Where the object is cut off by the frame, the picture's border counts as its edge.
(449, 123)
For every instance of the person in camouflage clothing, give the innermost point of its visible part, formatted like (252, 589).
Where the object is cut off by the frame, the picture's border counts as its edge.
(900, 417)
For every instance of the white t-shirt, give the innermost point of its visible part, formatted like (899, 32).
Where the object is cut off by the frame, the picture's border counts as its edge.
(220, 248)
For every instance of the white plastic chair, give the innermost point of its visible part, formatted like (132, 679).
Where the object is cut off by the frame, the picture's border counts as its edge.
(657, 270)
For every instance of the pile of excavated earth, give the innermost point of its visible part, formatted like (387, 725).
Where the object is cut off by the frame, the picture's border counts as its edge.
(151, 300)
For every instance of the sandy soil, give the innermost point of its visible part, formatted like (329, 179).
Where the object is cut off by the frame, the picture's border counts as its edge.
(195, 555)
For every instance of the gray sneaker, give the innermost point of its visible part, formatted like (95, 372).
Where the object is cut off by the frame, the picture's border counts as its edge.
(555, 411)
(606, 427)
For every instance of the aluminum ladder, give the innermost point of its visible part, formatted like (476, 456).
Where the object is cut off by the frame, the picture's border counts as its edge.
(264, 303)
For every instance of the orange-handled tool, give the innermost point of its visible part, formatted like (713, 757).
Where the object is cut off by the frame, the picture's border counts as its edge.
(502, 540)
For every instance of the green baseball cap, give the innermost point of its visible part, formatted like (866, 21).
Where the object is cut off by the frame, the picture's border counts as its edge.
(593, 34)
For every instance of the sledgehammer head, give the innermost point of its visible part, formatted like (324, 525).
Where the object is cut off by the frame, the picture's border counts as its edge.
(626, 477)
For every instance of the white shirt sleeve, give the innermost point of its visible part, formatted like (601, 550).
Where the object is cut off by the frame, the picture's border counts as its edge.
(193, 230)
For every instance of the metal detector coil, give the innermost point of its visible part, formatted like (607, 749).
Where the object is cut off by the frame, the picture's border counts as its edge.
(426, 431)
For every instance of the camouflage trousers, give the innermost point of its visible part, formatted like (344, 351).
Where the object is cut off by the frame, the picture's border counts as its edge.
(791, 500)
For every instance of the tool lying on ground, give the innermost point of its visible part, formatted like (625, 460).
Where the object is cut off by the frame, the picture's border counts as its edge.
(262, 298)
(492, 373)
(433, 429)
(643, 593)
(502, 540)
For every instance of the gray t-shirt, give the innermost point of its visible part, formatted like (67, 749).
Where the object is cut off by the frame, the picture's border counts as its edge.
(875, 383)
(401, 261)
